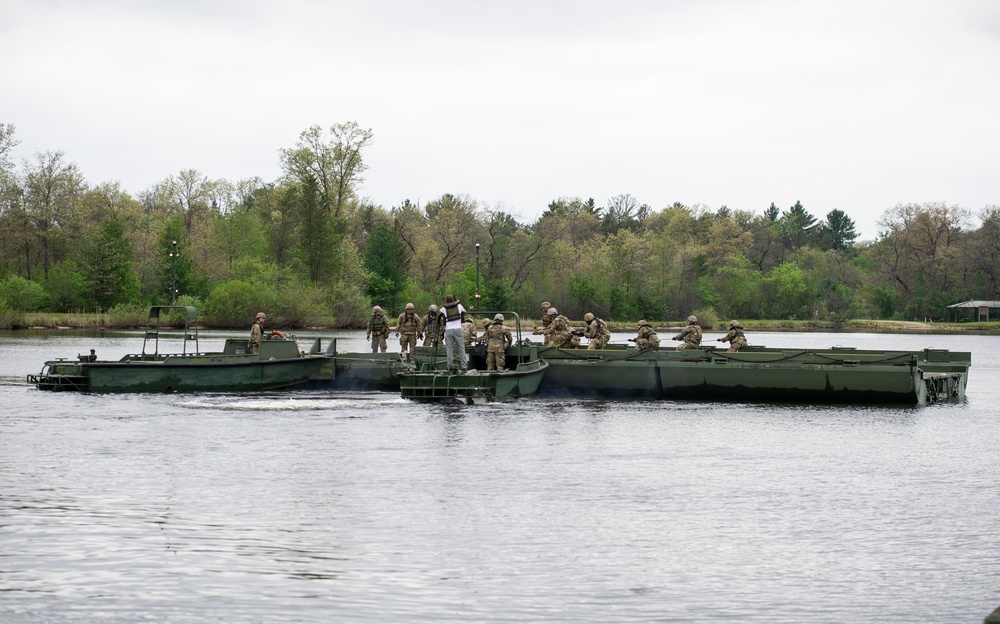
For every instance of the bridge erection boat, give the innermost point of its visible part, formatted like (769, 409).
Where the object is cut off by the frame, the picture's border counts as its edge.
(279, 364)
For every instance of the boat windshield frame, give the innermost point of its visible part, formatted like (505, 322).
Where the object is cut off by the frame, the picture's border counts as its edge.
(154, 326)
(491, 313)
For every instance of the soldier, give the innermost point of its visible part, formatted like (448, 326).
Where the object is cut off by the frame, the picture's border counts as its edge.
(486, 325)
(257, 332)
(559, 334)
(468, 332)
(498, 339)
(433, 327)
(597, 331)
(647, 338)
(407, 327)
(378, 330)
(691, 335)
(546, 321)
(736, 339)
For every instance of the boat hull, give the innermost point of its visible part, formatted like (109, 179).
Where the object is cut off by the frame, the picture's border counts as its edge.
(473, 386)
(278, 365)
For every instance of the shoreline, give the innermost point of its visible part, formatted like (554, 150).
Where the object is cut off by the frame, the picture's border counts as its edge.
(78, 322)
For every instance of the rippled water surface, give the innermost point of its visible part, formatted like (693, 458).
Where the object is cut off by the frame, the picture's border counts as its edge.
(362, 507)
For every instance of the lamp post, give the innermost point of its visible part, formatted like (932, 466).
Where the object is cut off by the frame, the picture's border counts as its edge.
(477, 275)
(173, 280)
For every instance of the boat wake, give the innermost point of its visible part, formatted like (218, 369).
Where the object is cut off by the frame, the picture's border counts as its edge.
(296, 403)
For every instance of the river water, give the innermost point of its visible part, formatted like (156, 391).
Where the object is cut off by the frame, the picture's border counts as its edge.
(308, 506)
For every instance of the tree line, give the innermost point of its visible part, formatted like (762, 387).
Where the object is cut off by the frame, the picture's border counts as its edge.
(310, 250)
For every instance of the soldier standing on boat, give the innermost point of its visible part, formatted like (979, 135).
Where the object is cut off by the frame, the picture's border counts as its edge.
(257, 333)
(498, 340)
(597, 332)
(378, 330)
(647, 338)
(546, 321)
(433, 327)
(408, 325)
(736, 338)
(454, 314)
(690, 335)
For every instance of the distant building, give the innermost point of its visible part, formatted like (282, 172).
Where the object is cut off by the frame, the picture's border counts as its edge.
(980, 311)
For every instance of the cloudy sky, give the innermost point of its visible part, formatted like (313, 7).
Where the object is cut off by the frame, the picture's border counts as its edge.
(852, 104)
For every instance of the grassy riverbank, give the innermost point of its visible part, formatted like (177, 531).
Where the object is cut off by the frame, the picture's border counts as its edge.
(47, 320)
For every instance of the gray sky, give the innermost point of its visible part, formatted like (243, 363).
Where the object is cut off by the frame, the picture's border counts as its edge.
(850, 104)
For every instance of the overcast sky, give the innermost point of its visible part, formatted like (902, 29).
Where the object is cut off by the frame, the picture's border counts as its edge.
(852, 104)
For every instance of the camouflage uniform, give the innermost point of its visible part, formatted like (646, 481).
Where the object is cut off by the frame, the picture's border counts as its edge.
(597, 332)
(691, 335)
(560, 334)
(408, 325)
(257, 333)
(546, 321)
(433, 327)
(736, 339)
(468, 332)
(647, 338)
(498, 338)
(378, 330)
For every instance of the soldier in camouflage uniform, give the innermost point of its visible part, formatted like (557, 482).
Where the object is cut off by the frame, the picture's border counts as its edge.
(559, 334)
(597, 331)
(546, 321)
(257, 332)
(468, 332)
(498, 339)
(407, 327)
(691, 335)
(647, 338)
(736, 339)
(433, 327)
(378, 330)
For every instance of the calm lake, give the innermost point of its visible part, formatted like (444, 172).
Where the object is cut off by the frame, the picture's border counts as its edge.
(309, 506)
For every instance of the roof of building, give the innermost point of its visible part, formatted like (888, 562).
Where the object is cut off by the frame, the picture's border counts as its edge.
(976, 304)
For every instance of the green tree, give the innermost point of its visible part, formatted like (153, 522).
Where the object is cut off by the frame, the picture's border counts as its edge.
(107, 267)
(387, 263)
(334, 162)
(838, 231)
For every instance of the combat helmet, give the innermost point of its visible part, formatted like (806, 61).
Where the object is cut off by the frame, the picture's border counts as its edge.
(734, 323)
(588, 317)
(433, 308)
(377, 310)
(553, 311)
(498, 317)
(409, 306)
(692, 319)
(641, 323)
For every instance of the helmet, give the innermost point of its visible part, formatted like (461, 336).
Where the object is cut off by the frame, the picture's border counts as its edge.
(486, 322)
(409, 306)
(498, 317)
(261, 315)
(553, 311)
(377, 310)
(546, 305)
(588, 317)
(692, 319)
(641, 323)
(734, 323)
(433, 308)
